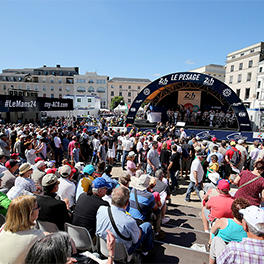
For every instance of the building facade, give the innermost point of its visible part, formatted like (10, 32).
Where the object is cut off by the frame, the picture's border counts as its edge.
(91, 84)
(214, 70)
(126, 87)
(242, 71)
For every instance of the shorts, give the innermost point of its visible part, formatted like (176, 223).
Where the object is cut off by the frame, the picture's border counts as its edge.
(111, 153)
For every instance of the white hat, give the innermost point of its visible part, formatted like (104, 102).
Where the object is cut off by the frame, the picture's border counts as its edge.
(131, 154)
(254, 216)
(213, 177)
(143, 182)
(40, 164)
(65, 171)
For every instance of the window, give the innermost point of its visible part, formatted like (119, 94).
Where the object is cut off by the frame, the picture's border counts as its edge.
(79, 100)
(44, 88)
(138, 87)
(89, 100)
(112, 86)
(112, 93)
(241, 66)
(80, 81)
(51, 88)
(247, 93)
(129, 86)
(233, 56)
(60, 95)
(52, 95)
(129, 100)
(90, 81)
(60, 81)
(260, 69)
(259, 84)
(4, 87)
(81, 89)
(91, 89)
(60, 89)
(231, 79)
(257, 95)
(129, 94)
(120, 93)
(239, 77)
(44, 95)
(242, 54)
(249, 77)
(232, 68)
(250, 64)
(51, 81)
(120, 86)
(238, 92)
(100, 90)
(251, 51)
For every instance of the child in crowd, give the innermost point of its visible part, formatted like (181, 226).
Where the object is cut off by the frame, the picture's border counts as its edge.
(76, 153)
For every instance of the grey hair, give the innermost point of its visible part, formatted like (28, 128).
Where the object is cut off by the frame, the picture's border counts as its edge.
(120, 196)
(159, 173)
(53, 248)
(254, 231)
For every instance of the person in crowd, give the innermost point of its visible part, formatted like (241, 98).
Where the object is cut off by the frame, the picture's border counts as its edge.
(153, 161)
(71, 146)
(225, 230)
(187, 152)
(4, 145)
(87, 205)
(131, 166)
(39, 172)
(213, 166)
(9, 175)
(24, 181)
(19, 147)
(254, 154)
(127, 146)
(218, 206)
(4, 201)
(164, 156)
(52, 209)
(102, 154)
(251, 184)
(66, 190)
(18, 233)
(126, 231)
(124, 180)
(96, 144)
(183, 134)
(30, 152)
(251, 248)
(142, 159)
(142, 201)
(244, 153)
(196, 176)
(108, 177)
(86, 181)
(76, 153)
(174, 167)
(100, 169)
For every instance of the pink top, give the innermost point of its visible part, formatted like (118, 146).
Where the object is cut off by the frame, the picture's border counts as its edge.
(131, 165)
(159, 147)
(71, 146)
(220, 206)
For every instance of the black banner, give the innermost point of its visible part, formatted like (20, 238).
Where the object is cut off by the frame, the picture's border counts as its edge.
(23, 104)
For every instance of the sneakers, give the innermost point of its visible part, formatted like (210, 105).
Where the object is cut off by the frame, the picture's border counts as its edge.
(165, 220)
(187, 200)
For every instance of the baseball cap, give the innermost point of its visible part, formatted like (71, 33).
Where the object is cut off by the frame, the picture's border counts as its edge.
(254, 216)
(11, 163)
(65, 171)
(49, 179)
(89, 169)
(40, 163)
(37, 159)
(223, 185)
(100, 183)
(131, 154)
(214, 139)
(14, 155)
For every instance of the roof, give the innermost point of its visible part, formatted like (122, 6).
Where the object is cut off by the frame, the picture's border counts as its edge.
(56, 68)
(25, 70)
(121, 79)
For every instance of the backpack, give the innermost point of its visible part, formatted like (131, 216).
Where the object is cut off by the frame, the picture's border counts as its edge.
(235, 158)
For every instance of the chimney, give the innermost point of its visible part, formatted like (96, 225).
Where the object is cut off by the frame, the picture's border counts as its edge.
(44, 66)
(58, 65)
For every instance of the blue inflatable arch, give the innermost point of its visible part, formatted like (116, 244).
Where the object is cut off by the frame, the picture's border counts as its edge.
(164, 86)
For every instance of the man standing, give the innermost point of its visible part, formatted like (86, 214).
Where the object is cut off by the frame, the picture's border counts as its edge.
(251, 249)
(196, 176)
(153, 159)
(174, 167)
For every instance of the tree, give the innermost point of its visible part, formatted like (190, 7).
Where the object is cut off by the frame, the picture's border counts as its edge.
(116, 101)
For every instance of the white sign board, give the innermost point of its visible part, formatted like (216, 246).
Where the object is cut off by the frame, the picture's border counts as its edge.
(189, 98)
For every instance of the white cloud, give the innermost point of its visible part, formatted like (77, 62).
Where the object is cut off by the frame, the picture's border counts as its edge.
(189, 62)
(156, 74)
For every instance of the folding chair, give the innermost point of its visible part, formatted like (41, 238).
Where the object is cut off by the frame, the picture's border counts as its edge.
(46, 226)
(81, 237)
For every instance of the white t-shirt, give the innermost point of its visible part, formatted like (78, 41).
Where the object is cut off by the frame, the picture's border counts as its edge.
(127, 145)
(96, 144)
(66, 190)
(57, 142)
(197, 166)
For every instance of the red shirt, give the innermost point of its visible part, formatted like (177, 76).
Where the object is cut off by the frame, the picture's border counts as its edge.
(168, 144)
(159, 147)
(229, 153)
(252, 191)
(220, 206)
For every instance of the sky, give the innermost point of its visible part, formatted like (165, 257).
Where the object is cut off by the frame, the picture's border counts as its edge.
(126, 38)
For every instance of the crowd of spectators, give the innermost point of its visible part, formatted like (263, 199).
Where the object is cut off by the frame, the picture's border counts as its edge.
(62, 173)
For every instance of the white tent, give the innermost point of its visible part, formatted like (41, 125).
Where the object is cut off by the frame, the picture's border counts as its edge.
(120, 108)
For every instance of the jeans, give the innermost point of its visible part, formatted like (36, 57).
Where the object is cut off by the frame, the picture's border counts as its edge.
(173, 179)
(146, 239)
(125, 153)
(192, 187)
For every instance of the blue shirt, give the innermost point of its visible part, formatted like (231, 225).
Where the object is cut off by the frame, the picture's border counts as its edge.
(126, 225)
(146, 202)
(109, 180)
(219, 156)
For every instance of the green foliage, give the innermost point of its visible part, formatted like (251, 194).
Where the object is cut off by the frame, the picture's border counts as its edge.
(116, 101)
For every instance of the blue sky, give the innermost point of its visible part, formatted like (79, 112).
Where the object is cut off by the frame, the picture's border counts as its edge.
(127, 38)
